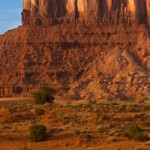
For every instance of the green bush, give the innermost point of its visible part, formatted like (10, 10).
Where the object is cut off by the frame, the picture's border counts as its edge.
(39, 111)
(45, 95)
(135, 132)
(37, 133)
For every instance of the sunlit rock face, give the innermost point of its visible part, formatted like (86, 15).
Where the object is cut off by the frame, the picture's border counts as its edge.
(148, 10)
(100, 12)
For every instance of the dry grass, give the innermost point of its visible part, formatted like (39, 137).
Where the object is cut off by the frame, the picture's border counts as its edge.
(75, 125)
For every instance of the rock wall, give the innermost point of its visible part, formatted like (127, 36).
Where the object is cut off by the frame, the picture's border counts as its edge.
(90, 63)
(42, 11)
(10, 91)
(100, 12)
(148, 10)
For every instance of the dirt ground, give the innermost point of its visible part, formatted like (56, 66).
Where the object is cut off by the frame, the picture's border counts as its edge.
(73, 125)
(5, 101)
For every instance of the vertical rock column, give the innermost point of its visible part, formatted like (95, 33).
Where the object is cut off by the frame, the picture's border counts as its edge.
(101, 12)
(52, 8)
(131, 9)
(31, 5)
(148, 11)
(109, 12)
(74, 9)
(91, 10)
(141, 11)
(43, 11)
(2, 91)
(30, 10)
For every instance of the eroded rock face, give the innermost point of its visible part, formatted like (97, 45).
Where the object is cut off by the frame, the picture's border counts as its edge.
(93, 63)
(101, 12)
(43, 11)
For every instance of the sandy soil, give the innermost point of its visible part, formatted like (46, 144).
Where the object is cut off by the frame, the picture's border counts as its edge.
(76, 125)
(15, 100)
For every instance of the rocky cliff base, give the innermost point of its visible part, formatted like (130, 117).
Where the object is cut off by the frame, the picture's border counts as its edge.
(80, 63)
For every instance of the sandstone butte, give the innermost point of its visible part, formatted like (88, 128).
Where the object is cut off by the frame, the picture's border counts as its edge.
(85, 49)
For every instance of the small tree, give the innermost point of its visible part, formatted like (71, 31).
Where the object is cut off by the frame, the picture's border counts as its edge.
(45, 95)
(135, 132)
(37, 133)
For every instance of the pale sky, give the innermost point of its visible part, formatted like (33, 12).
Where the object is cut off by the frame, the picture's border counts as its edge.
(10, 14)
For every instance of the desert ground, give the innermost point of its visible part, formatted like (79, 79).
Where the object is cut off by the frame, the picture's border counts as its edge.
(76, 125)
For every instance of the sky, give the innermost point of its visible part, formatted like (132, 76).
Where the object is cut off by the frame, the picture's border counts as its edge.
(10, 14)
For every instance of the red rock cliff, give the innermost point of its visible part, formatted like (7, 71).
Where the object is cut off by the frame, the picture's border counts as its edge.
(86, 11)
(86, 62)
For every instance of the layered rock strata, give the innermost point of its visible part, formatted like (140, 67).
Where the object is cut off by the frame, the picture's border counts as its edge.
(86, 63)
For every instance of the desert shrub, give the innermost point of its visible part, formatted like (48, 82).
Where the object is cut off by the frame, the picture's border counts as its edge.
(37, 133)
(77, 132)
(89, 105)
(39, 111)
(69, 105)
(135, 132)
(45, 95)
(80, 106)
(65, 121)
